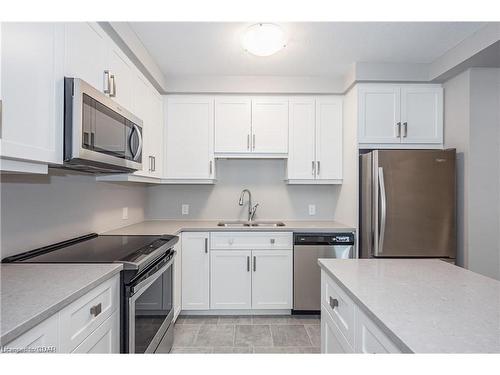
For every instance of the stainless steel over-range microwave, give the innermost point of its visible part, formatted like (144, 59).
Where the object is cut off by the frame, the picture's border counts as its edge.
(100, 136)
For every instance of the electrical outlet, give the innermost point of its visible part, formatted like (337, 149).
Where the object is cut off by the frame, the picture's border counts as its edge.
(185, 209)
(125, 213)
(312, 209)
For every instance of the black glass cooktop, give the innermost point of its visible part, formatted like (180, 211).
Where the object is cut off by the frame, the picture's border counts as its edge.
(98, 249)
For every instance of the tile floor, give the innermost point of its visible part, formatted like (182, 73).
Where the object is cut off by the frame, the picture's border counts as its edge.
(247, 334)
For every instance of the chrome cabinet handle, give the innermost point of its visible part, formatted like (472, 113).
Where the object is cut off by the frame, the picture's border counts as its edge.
(150, 163)
(254, 264)
(398, 126)
(112, 93)
(107, 83)
(253, 142)
(210, 167)
(318, 168)
(313, 168)
(154, 163)
(405, 129)
(248, 263)
(96, 310)
(248, 141)
(206, 245)
(272, 241)
(334, 302)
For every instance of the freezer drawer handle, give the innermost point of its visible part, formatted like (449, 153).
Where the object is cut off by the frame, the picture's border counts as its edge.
(334, 302)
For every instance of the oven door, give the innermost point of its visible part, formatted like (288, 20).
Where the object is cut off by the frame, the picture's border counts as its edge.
(151, 310)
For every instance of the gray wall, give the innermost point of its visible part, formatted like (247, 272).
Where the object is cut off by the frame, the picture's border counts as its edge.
(40, 210)
(472, 125)
(265, 179)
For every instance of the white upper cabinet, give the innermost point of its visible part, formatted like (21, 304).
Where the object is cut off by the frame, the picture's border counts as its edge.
(379, 114)
(302, 144)
(251, 126)
(315, 151)
(233, 119)
(422, 114)
(390, 115)
(122, 77)
(189, 138)
(270, 125)
(32, 91)
(86, 53)
(329, 138)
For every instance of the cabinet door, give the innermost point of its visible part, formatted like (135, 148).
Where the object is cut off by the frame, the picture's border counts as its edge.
(378, 114)
(369, 338)
(422, 114)
(86, 53)
(329, 138)
(158, 131)
(332, 340)
(142, 108)
(270, 125)
(189, 137)
(302, 139)
(44, 336)
(232, 124)
(230, 279)
(32, 91)
(122, 77)
(272, 279)
(195, 271)
(105, 339)
(178, 279)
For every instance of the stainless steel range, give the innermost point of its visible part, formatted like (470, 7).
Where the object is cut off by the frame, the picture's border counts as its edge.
(146, 312)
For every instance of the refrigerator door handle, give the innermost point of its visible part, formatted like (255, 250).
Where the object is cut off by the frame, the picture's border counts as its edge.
(383, 211)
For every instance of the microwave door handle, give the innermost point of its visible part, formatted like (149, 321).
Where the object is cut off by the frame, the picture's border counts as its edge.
(383, 211)
(139, 148)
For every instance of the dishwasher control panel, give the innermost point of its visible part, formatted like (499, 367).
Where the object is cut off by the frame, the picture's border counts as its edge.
(324, 238)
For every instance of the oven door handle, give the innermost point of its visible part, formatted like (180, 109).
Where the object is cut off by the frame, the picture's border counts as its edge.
(151, 279)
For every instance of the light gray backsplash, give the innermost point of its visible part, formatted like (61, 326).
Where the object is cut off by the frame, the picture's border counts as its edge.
(40, 210)
(264, 178)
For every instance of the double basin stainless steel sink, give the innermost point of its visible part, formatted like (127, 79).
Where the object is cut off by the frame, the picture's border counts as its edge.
(242, 223)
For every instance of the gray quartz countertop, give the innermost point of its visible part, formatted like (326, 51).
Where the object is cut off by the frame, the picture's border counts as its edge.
(30, 293)
(424, 305)
(157, 227)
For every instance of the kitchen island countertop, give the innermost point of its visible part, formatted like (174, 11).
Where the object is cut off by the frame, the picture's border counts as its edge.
(424, 305)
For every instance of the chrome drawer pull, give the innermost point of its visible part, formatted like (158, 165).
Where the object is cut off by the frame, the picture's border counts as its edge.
(273, 241)
(96, 310)
(334, 303)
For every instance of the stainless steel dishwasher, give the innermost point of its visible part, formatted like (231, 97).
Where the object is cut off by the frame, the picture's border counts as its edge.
(307, 249)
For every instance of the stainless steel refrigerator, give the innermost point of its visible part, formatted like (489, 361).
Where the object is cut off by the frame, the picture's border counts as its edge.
(407, 204)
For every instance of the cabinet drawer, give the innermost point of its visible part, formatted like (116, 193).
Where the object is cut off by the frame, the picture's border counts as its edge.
(339, 305)
(105, 339)
(332, 340)
(83, 316)
(39, 339)
(369, 338)
(251, 241)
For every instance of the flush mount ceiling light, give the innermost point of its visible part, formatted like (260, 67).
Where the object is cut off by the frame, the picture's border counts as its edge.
(263, 39)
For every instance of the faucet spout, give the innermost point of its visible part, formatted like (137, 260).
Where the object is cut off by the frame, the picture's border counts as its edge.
(251, 209)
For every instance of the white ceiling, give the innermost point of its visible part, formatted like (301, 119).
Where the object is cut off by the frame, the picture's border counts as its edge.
(314, 49)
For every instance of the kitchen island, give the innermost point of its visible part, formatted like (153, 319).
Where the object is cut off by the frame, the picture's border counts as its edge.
(408, 306)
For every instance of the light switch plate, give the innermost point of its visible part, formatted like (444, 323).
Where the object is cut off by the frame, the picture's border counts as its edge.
(185, 209)
(125, 213)
(312, 209)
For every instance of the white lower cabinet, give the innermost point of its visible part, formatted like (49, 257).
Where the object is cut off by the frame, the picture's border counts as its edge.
(195, 271)
(230, 279)
(272, 279)
(332, 340)
(345, 328)
(91, 324)
(105, 339)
